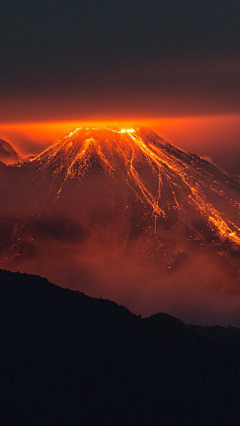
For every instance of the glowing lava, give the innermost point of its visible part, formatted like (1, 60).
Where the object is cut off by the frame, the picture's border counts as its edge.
(166, 179)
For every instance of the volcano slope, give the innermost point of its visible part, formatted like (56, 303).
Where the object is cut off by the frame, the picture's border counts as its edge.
(8, 155)
(136, 218)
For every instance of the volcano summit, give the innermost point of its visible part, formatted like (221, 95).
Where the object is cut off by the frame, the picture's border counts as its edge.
(116, 207)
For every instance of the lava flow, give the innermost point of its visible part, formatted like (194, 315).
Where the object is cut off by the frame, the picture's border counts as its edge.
(161, 176)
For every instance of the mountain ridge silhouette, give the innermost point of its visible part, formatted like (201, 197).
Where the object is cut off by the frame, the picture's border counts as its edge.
(71, 359)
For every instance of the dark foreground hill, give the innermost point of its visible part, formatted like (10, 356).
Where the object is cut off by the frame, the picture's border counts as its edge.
(68, 359)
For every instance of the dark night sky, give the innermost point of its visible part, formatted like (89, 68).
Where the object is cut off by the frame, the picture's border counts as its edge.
(81, 34)
(99, 60)
(148, 48)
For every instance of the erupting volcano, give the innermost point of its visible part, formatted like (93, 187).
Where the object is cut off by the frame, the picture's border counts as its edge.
(162, 177)
(104, 200)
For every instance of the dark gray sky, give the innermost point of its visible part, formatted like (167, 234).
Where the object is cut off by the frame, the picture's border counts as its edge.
(71, 59)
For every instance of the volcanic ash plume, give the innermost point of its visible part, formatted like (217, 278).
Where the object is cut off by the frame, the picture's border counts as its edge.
(125, 215)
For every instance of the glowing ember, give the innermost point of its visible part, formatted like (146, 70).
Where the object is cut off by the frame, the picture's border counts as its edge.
(127, 131)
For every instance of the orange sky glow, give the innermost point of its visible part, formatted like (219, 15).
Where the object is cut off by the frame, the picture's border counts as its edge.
(216, 137)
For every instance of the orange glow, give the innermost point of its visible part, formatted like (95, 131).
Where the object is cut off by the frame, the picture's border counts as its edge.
(200, 135)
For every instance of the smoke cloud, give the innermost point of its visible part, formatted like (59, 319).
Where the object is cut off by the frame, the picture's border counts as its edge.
(102, 255)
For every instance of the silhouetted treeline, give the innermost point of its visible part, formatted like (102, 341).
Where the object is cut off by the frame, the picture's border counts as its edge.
(68, 359)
